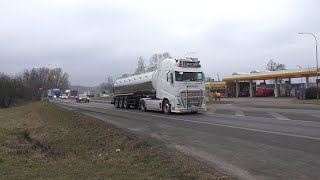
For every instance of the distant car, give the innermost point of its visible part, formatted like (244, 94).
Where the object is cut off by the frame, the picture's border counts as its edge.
(64, 96)
(82, 98)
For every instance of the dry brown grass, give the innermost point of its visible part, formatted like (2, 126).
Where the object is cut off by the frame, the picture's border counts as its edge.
(43, 141)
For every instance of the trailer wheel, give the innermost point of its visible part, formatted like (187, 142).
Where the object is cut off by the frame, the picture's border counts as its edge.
(117, 103)
(125, 104)
(166, 108)
(121, 103)
(143, 106)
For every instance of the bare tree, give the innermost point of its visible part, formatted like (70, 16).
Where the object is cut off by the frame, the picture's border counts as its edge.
(11, 89)
(58, 79)
(273, 66)
(141, 66)
(107, 85)
(153, 63)
(280, 67)
(155, 59)
(45, 79)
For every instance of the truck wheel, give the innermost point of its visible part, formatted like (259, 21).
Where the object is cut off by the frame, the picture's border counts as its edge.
(125, 104)
(143, 106)
(116, 103)
(166, 108)
(121, 103)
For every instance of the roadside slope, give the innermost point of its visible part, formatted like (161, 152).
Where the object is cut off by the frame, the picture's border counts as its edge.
(43, 141)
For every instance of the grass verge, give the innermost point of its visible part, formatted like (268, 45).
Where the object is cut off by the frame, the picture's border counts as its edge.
(43, 141)
(307, 101)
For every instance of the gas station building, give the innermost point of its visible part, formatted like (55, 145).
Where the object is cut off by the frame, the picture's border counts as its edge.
(248, 80)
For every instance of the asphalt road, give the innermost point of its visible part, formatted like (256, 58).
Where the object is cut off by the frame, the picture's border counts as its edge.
(246, 142)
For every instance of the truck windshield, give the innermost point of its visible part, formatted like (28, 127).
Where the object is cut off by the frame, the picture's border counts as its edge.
(189, 76)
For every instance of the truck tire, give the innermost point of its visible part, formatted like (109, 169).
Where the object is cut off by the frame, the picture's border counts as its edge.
(125, 103)
(143, 106)
(121, 103)
(166, 107)
(116, 103)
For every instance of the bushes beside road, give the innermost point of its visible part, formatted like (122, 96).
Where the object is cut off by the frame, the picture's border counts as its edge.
(30, 85)
(311, 93)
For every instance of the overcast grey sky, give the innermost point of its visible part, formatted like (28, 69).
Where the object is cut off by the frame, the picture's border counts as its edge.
(93, 39)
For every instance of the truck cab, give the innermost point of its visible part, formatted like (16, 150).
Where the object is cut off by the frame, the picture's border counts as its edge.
(179, 87)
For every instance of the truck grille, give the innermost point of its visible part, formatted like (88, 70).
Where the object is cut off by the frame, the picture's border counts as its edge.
(192, 98)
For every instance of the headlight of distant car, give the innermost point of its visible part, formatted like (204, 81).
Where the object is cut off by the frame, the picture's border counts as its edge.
(80, 98)
(88, 98)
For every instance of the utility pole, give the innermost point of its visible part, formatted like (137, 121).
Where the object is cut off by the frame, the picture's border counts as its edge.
(317, 68)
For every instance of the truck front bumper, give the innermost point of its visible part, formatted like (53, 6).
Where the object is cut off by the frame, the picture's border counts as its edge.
(192, 109)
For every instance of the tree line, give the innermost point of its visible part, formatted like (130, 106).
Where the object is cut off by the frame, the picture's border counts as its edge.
(30, 84)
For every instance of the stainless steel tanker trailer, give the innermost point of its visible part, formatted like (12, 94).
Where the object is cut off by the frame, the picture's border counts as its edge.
(177, 85)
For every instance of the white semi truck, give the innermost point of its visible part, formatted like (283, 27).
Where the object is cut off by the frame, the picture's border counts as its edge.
(177, 85)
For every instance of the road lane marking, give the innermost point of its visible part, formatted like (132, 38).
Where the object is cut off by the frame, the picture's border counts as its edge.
(256, 117)
(220, 125)
(229, 126)
(239, 113)
(316, 115)
(278, 116)
(278, 110)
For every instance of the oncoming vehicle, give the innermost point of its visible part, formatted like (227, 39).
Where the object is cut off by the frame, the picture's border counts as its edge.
(53, 93)
(64, 96)
(82, 98)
